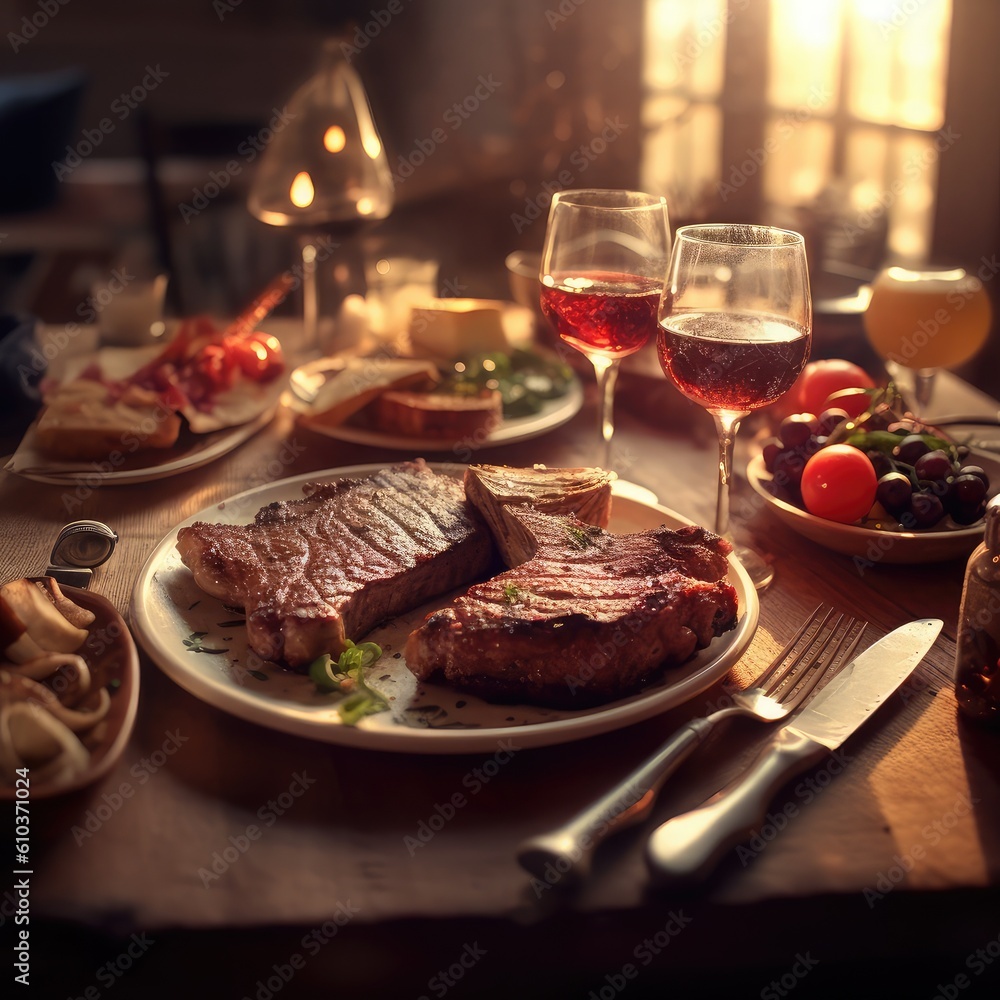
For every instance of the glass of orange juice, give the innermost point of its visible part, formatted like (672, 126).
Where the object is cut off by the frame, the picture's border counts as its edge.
(925, 320)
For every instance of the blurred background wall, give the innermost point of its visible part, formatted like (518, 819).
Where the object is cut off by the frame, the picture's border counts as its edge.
(871, 125)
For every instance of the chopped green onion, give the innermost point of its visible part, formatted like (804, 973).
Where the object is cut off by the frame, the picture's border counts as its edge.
(346, 676)
(321, 673)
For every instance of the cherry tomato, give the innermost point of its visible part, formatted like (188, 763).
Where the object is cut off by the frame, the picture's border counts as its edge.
(820, 379)
(259, 356)
(839, 483)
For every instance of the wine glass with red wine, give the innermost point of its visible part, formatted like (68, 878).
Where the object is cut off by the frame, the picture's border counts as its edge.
(735, 331)
(603, 265)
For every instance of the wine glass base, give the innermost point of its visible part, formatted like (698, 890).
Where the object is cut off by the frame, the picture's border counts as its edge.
(761, 573)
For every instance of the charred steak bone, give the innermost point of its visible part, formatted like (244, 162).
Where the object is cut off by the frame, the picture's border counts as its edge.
(591, 617)
(352, 553)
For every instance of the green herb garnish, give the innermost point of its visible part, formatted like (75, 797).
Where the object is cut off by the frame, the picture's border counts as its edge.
(511, 593)
(194, 644)
(581, 538)
(525, 379)
(345, 676)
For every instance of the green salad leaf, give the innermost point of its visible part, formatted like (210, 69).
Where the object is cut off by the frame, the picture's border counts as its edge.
(525, 379)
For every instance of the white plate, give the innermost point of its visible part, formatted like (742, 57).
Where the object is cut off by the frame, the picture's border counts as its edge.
(874, 545)
(167, 607)
(143, 467)
(554, 412)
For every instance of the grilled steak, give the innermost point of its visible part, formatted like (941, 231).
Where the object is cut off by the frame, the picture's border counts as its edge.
(590, 617)
(495, 488)
(312, 573)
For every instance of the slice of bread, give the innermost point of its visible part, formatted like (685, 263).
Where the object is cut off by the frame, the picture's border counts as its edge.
(85, 419)
(362, 380)
(437, 415)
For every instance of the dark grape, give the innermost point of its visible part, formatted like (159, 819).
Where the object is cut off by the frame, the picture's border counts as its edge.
(796, 429)
(832, 418)
(969, 489)
(894, 492)
(881, 462)
(925, 510)
(966, 513)
(911, 448)
(788, 466)
(770, 453)
(975, 470)
(934, 465)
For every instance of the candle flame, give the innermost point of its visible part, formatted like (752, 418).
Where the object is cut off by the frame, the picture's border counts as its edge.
(334, 139)
(302, 191)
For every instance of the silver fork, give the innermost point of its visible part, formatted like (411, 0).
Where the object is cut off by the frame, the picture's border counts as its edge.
(566, 852)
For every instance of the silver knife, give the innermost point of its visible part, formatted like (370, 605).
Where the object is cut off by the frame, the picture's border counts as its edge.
(689, 846)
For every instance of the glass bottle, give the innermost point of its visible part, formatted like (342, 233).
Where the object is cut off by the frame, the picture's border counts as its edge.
(977, 662)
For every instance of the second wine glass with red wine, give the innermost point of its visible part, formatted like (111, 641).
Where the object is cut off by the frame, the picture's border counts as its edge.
(603, 265)
(735, 331)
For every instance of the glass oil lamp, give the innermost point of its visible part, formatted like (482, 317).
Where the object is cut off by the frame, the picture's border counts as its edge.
(324, 175)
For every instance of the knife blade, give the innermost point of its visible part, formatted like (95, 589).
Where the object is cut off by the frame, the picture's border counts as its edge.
(687, 847)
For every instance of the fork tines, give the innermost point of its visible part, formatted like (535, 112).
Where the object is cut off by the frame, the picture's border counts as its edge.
(819, 649)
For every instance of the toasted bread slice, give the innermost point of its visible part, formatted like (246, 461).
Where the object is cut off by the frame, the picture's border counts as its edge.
(438, 415)
(361, 381)
(85, 419)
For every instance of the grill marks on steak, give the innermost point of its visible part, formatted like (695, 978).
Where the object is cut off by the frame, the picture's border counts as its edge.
(589, 618)
(314, 572)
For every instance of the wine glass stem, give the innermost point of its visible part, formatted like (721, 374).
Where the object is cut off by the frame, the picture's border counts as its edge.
(310, 295)
(726, 424)
(923, 388)
(607, 375)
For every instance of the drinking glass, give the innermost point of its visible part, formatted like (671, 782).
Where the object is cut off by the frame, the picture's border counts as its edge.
(926, 320)
(603, 264)
(735, 331)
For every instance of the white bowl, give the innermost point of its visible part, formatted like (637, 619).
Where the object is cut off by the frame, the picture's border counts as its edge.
(874, 545)
(522, 275)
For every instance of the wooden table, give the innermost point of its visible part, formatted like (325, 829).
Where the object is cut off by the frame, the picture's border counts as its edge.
(880, 868)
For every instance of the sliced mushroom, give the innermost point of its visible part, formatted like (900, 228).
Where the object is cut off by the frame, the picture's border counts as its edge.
(15, 642)
(46, 664)
(15, 688)
(45, 624)
(32, 737)
(73, 613)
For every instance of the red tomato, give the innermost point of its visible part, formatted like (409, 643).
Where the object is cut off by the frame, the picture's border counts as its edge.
(259, 356)
(839, 483)
(820, 379)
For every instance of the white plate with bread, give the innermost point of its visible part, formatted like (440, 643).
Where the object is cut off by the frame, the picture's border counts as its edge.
(121, 467)
(382, 402)
(117, 416)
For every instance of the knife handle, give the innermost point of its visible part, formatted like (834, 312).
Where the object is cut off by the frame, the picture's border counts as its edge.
(567, 851)
(688, 847)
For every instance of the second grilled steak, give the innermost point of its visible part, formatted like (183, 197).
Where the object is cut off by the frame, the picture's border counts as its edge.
(314, 572)
(591, 617)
